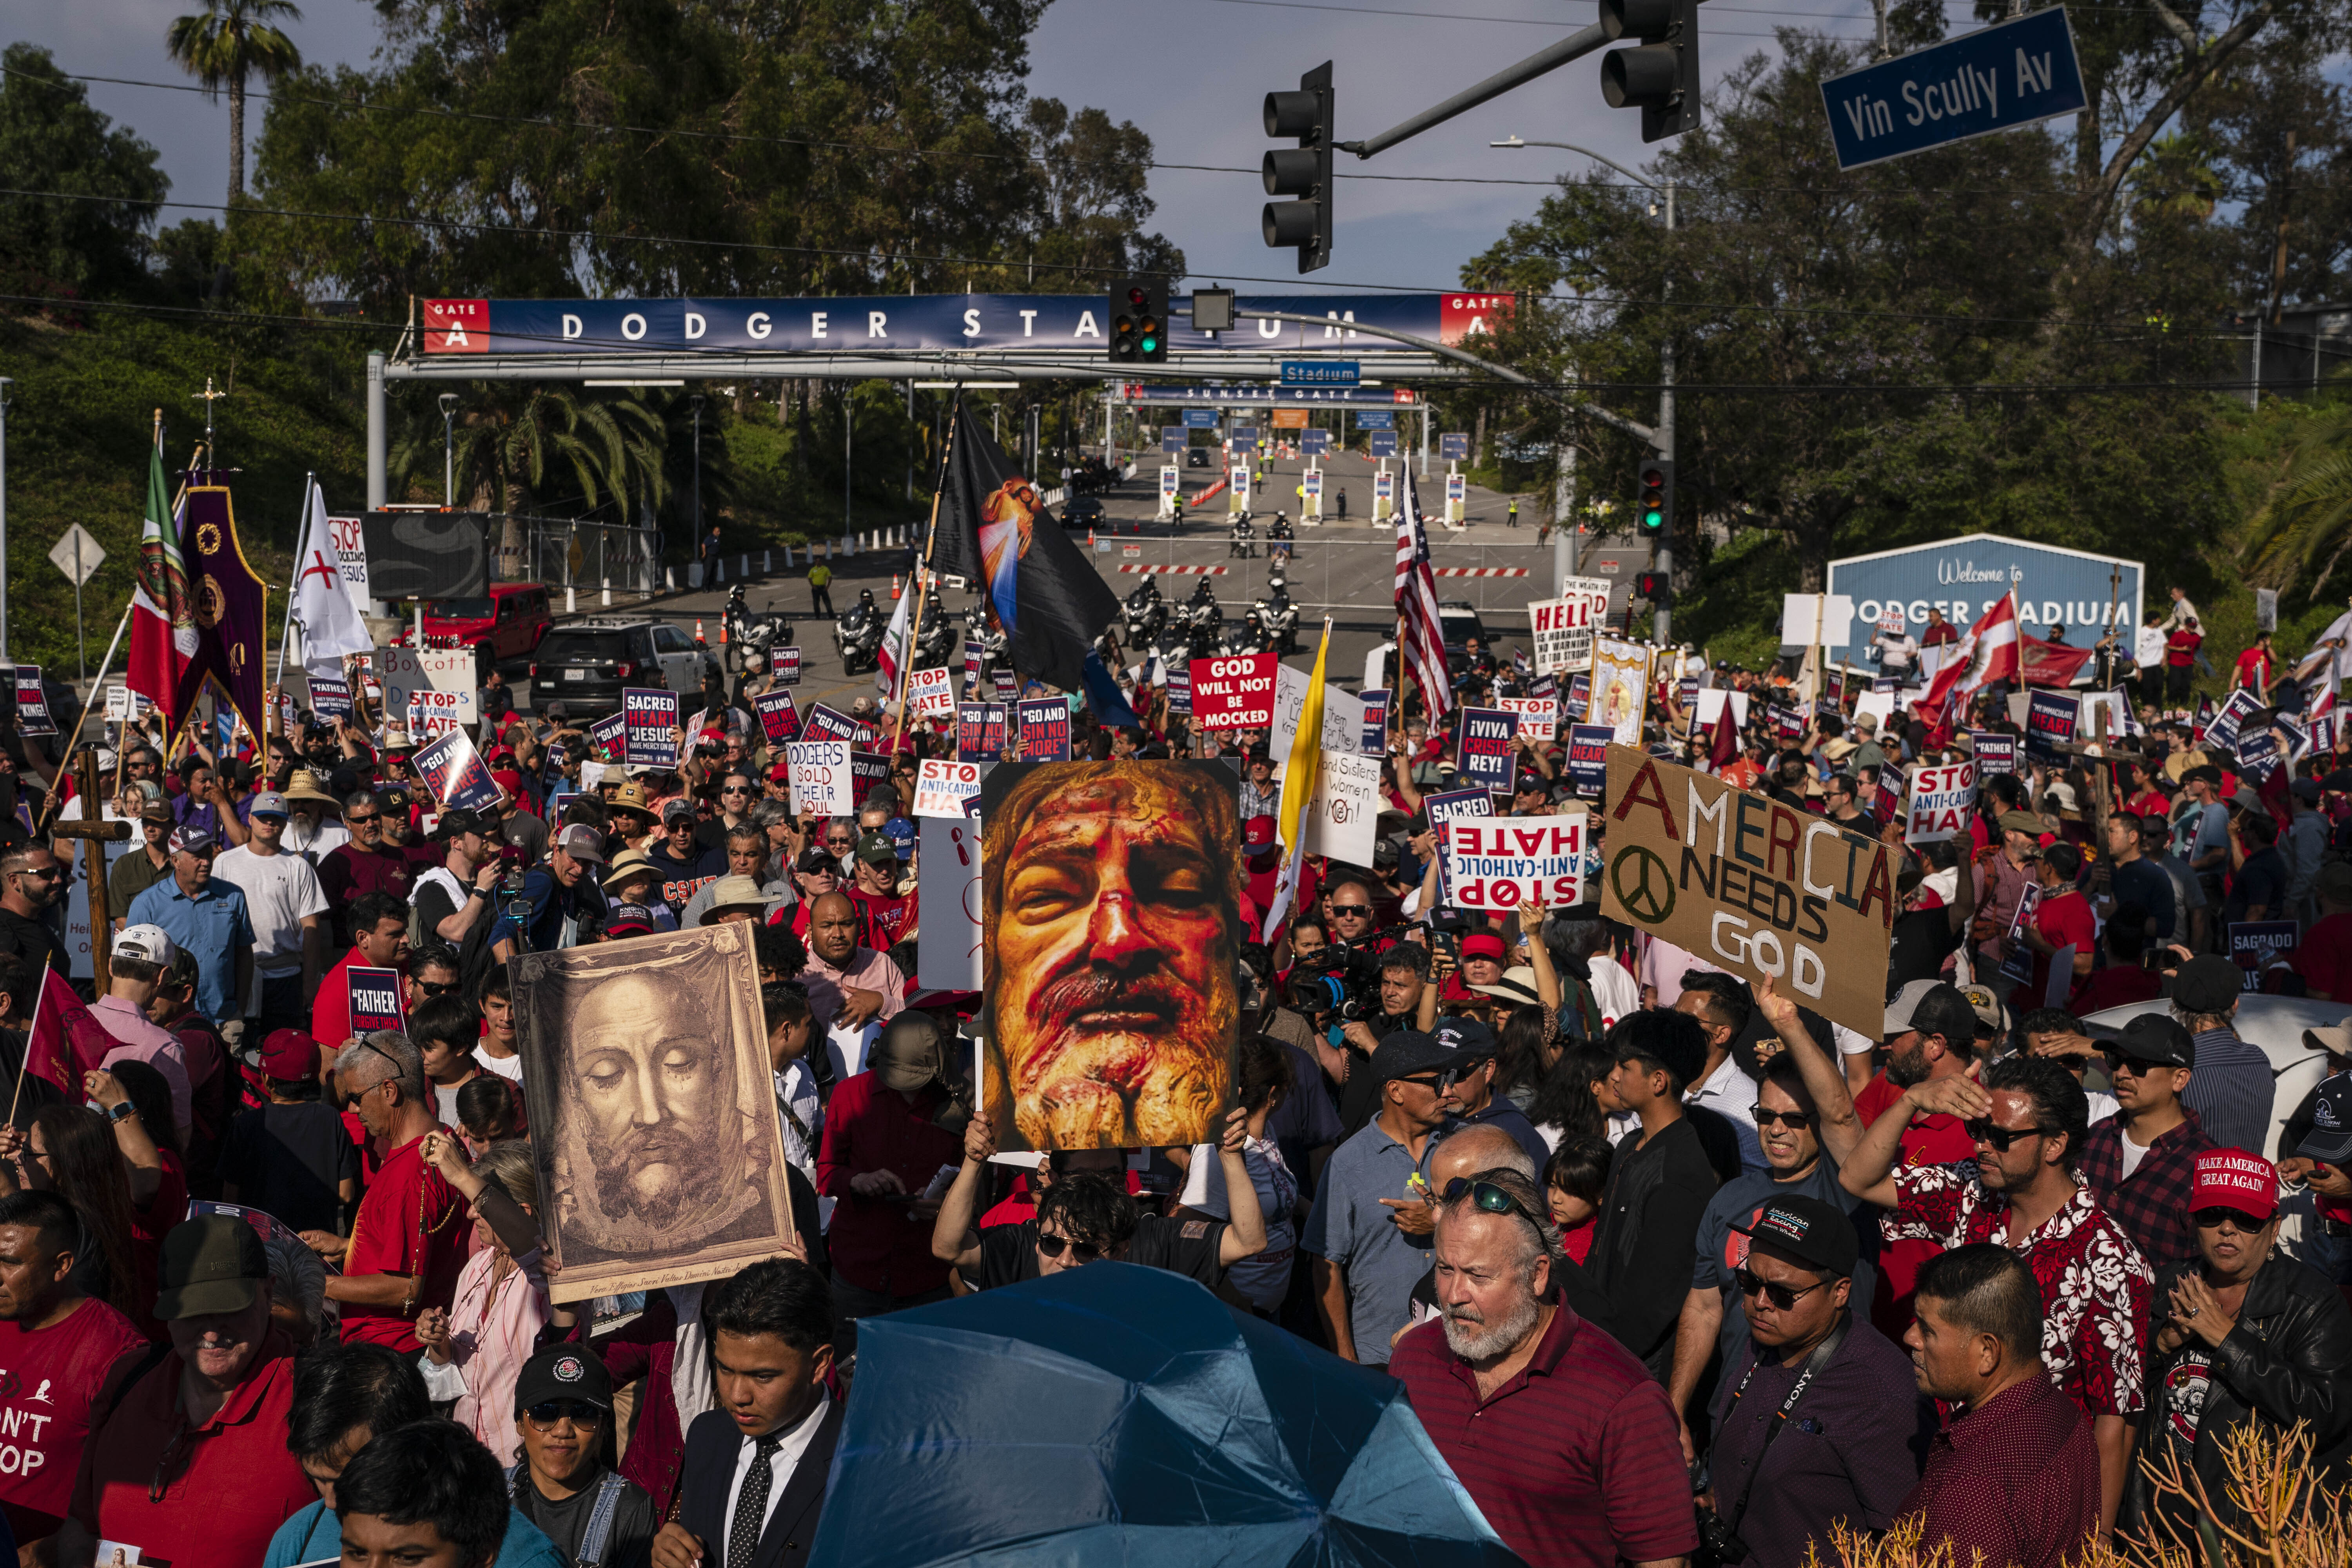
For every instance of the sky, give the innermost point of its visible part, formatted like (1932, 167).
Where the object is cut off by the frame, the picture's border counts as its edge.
(1204, 68)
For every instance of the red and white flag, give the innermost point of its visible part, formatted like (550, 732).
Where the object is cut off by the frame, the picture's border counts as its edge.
(1988, 654)
(895, 655)
(163, 613)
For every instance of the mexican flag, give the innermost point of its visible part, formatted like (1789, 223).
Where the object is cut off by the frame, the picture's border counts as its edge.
(163, 620)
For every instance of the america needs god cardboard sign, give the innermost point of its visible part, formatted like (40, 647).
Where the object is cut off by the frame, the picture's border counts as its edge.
(1750, 884)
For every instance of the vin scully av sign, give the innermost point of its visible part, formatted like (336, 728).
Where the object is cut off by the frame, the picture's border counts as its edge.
(1995, 79)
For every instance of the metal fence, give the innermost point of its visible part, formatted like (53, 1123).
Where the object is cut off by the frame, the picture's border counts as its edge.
(564, 552)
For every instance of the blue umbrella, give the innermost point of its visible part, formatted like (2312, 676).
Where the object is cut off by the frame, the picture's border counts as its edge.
(1122, 1415)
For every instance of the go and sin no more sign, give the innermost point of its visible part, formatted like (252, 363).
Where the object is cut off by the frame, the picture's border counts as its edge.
(1750, 885)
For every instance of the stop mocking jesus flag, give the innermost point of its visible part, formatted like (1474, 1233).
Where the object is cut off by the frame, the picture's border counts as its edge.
(993, 528)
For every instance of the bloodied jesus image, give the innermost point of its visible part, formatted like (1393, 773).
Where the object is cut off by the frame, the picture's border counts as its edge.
(1110, 924)
(645, 1065)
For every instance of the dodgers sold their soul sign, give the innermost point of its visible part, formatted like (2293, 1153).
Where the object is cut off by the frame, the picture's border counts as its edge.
(1749, 884)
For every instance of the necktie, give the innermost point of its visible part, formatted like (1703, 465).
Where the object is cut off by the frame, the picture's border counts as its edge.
(751, 1503)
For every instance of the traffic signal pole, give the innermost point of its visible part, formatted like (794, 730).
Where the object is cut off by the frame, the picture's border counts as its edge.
(1663, 615)
(1544, 61)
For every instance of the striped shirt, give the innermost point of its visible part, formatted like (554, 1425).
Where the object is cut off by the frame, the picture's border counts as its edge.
(2230, 1091)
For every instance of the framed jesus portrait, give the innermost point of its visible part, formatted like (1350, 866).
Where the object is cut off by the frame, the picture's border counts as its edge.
(652, 1115)
(1110, 935)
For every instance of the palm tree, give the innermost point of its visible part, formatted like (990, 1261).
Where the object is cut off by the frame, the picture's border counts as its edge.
(2306, 526)
(228, 42)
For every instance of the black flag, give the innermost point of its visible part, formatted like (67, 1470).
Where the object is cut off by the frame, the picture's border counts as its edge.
(995, 532)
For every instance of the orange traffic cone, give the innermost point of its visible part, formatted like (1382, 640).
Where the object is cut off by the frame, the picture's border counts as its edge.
(697, 628)
(894, 587)
(1090, 539)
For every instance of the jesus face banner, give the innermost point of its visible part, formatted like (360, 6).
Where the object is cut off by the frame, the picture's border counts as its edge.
(1111, 921)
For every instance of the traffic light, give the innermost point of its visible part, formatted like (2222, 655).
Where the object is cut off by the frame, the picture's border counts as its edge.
(1660, 76)
(1653, 504)
(1307, 173)
(1139, 321)
(1652, 587)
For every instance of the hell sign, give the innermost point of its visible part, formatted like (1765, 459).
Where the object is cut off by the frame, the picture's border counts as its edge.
(1498, 863)
(1747, 883)
(1941, 799)
(1236, 693)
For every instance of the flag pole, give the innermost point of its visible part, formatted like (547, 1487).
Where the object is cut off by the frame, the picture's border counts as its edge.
(49, 807)
(285, 630)
(930, 546)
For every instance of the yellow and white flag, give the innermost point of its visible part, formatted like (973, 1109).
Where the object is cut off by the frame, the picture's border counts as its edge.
(1301, 776)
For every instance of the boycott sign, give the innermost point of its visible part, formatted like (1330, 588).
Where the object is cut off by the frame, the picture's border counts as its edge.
(1993, 754)
(778, 716)
(1941, 799)
(946, 789)
(649, 727)
(1234, 693)
(784, 664)
(1501, 862)
(1588, 759)
(406, 669)
(2049, 722)
(375, 1001)
(1044, 729)
(1538, 716)
(2250, 942)
(454, 771)
(820, 776)
(930, 691)
(980, 731)
(1751, 884)
(1485, 756)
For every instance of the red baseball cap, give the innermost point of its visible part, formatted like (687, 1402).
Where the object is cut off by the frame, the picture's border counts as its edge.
(780, 773)
(1257, 833)
(289, 1055)
(1484, 945)
(2233, 1179)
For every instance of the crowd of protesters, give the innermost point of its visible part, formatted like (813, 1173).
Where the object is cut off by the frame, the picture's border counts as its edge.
(1667, 1265)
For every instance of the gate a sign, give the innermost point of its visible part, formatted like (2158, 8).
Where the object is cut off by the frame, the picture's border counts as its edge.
(1765, 891)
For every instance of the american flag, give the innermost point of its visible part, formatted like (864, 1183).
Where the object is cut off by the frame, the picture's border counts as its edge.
(1421, 639)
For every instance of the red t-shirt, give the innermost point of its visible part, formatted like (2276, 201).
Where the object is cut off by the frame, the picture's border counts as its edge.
(222, 1490)
(2114, 986)
(2181, 649)
(410, 1222)
(2325, 959)
(47, 1379)
(888, 918)
(2065, 919)
(149, 1225)
(1929, 1141)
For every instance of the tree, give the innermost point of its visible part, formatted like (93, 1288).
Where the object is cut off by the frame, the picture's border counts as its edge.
(2298, 538)
(516, 448)
(228, 42)
(52, 140)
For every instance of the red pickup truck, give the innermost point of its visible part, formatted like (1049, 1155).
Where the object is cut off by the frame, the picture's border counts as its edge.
(506, 628)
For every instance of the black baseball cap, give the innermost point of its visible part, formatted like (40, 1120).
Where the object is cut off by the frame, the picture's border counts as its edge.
(2330, 1138)
(2154, 1038)
(2207, 984)
(1806, 1233)
(1469, 1039)
(1408, 1051)
(563, 1371)
(454, 822)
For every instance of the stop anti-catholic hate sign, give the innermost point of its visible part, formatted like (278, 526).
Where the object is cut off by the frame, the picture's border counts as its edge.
(1750, 884)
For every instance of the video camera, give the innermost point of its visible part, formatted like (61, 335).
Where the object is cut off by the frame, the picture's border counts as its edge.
(1338, 980)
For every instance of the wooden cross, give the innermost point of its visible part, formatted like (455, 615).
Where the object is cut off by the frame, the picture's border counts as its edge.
(90, 827)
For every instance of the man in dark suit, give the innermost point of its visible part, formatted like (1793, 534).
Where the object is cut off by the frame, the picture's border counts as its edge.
(755, 1466)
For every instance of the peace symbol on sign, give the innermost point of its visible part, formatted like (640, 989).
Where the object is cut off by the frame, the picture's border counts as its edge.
(1652, 897)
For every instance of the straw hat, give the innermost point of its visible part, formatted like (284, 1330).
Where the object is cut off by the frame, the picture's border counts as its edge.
(630, 863)
(305, 786)
(631, 796)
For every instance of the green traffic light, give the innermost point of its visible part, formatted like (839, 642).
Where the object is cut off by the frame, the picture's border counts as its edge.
(1151, 345)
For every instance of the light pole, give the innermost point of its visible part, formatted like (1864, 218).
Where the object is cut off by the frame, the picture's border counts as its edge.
(448, 448)
(697, 402)
(1662, 615)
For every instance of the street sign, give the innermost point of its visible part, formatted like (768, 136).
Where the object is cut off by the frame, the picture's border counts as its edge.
(1172, 438)
(1384, 442)
(1201, 419)
(1453, 446)
(1320, 372)
(1244, 440)
(1375, 419)
(76, 554)
(1995, 79)
(1314, 442)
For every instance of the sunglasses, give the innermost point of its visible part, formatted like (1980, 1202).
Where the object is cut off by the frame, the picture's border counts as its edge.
(354, 820)
(1781, 1296)
(444, 987)
(1982, 1130)
(579, 1411)
(1486, 1197)
(1053, 1246)
(1792, 1118)
(2134, 1065)
(838, 843)
(1351, 909)
(2215, 1218)
(736, 789)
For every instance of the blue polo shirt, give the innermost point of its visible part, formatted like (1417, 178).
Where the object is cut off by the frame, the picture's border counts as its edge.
(212, 925)
(1350, 1225)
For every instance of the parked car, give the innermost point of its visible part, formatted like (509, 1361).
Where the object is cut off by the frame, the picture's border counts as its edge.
(586, 664)
(1084, 511)
(503, 627)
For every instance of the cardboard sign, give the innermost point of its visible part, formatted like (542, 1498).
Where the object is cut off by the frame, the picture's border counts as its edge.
(1994, 754)
(376, 1000)
(1538, 717)
(432, 713)
(649, 727)
(1180, 689)
(821, 779)
(1376, 721)
(1751, 885)
(1620, 688)
(1941, 799)
(784, 664)
(1498, 863)
(779, 717)
(1234, 692)
(454, 771)
(2252, 941)
(1553, 622)
(118, 704)
(328, 699)
(1045, 723)
(947, 789)
(824, 723)
(1588, 760)
(404, 670)
(947, 868)
(1485, 756)
(605, 734)
(32, 703)
(2051, 721)
(980, 731)
(931, 691)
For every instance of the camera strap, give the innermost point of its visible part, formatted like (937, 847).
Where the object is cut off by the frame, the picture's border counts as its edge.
(1813, 1365)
